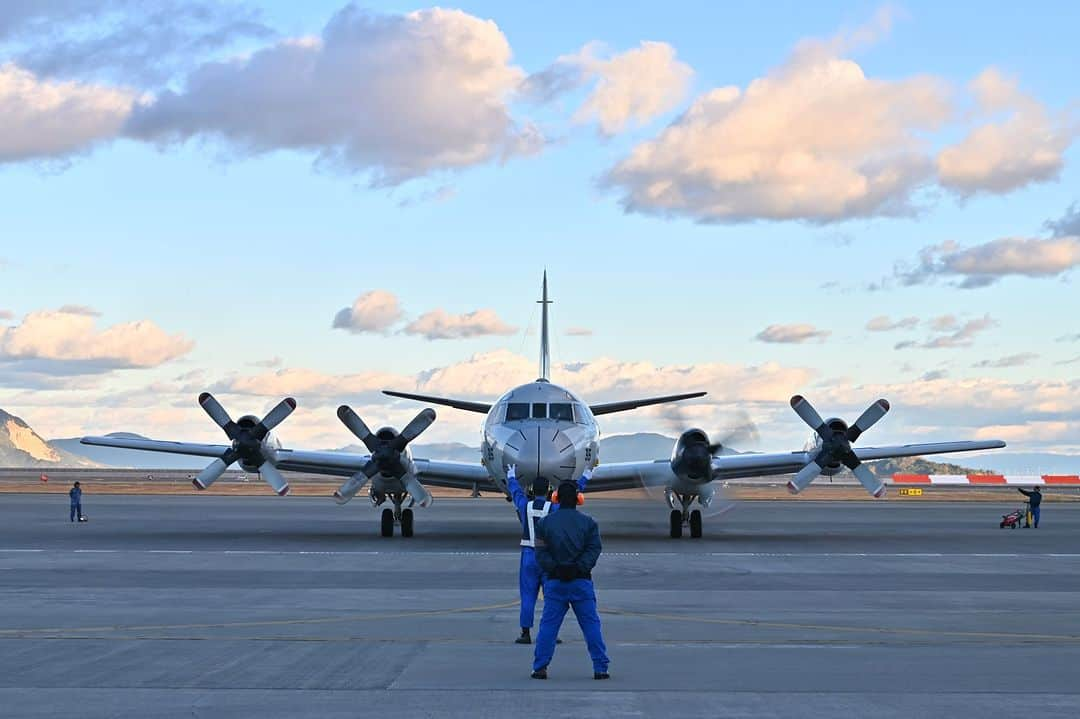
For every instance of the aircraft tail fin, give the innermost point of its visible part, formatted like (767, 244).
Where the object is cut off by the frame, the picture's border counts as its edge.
(545, 345)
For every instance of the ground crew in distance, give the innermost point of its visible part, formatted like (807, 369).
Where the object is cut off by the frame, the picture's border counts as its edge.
(530, 512)
(75, 494)
(568, 546)
(1034, 499)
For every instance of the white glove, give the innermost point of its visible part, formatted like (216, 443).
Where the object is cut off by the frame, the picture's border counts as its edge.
(511, 472)
(587, 474)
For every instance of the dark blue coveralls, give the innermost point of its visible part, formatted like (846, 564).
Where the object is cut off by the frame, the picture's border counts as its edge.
(529, 571)
(1034, 499)
(76, 503)
(569, 550)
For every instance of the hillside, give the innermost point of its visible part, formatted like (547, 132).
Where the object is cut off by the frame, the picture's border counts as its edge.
(918, 465)
(21, 446)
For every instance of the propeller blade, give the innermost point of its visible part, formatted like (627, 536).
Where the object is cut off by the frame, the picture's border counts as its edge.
(356, 425)
(743, 432)
(803, 479)
(217, 413)
(213, 471)
(867, 419)
(418, 491)
(413, 429)
(272, 476)
(806, 411)
(276, 416)
(350, 487)
(872, 484)
(370, 469)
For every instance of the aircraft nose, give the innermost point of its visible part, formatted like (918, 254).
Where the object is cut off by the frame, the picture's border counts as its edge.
(541, 452)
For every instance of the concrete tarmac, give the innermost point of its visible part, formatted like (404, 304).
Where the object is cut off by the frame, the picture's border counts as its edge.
(211, 606)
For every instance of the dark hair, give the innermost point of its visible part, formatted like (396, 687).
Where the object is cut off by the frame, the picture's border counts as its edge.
(540, 487)
(567, 495)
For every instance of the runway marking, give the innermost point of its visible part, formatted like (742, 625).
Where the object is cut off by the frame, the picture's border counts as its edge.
(514, 553)
(260, 623)
(906, 631)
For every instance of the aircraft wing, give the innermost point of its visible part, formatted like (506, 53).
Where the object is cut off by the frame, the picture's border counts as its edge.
(432, 472)
(657, 473)
(154, 445)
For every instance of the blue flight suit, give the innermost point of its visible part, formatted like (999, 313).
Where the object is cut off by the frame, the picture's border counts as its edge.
(528, 569)
(76, 503)
(570, 548)
(1034, 499)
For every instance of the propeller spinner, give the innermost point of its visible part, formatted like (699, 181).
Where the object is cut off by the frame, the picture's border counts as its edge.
(247, 437)
(836, 439)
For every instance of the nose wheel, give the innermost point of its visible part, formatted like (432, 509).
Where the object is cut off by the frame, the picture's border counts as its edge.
(685, 518)
(397, 515)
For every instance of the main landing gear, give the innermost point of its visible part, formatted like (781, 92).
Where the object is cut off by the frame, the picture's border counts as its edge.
(684, 517)
(397, 515)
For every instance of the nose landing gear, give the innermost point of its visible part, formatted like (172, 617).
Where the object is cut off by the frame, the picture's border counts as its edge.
(684, 517)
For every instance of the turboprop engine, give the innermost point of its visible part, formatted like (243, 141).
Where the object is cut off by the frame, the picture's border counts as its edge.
(691, 458)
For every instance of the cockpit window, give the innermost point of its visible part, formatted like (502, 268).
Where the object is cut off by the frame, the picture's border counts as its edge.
(581, 414)
(562, 411)
(539, 410)
(517, 410)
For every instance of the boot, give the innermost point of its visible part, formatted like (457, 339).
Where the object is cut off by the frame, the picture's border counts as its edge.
(525, 638)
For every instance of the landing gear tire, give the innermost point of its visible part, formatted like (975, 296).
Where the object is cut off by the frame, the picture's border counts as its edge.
(406, 523)
(695, 524)
(388, 522)
(676, 524)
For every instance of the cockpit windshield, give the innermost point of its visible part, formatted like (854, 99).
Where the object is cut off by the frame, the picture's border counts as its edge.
(516, 411)
(562, 411)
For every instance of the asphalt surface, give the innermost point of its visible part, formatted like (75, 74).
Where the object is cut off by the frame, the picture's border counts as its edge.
(283, 607)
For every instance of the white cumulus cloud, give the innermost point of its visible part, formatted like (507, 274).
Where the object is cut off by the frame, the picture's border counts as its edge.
(374, 311)
(441, 325)
(791, 334)
(1026, 146)
(41, 118)
(399, 96)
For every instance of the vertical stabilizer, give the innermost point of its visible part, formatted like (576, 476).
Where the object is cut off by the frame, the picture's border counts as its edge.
(545, 347)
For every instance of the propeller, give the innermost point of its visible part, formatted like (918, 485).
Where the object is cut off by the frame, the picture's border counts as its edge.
(835, 448)
(247, 436)
(697, 452)
(386, 447)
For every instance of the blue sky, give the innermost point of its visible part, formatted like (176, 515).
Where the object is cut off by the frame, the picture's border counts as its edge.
(168, 216)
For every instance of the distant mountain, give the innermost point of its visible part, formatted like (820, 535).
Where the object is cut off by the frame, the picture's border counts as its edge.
(21, 446)
(917, 465)
(128, 458)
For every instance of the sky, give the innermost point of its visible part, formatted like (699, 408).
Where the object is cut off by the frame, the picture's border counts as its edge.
(847, 201)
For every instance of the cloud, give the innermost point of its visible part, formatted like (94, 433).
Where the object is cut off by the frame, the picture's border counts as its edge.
(578, 332)
(68, 343)
(1016, 360)
(933, 375)
(79, 310)
(42, 118)
(374, 311)
(631, 87)
(272, 363)
(951, 332)
(882, 323)
(1027, 146)
(1069, 338)
(1068, 225)
(441, 325)
(791, 334)
(127, 39)
(398, 96)
(985, 264)
(7, 315)
(815, 139)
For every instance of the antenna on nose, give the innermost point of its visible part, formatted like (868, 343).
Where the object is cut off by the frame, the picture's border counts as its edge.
(545, 348)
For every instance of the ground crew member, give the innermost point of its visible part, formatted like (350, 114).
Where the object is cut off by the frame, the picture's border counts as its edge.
(567, 550)
(530, 512)
(1034, 499)
(75, 494)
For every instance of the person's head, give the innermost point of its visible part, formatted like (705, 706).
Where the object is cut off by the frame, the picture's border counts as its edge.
(540, 487)
(1037, 489)
(76, 484)
(568, 495)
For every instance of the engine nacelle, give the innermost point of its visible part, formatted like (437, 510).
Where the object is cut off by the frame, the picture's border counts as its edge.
(836, 426)
(690, 458)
